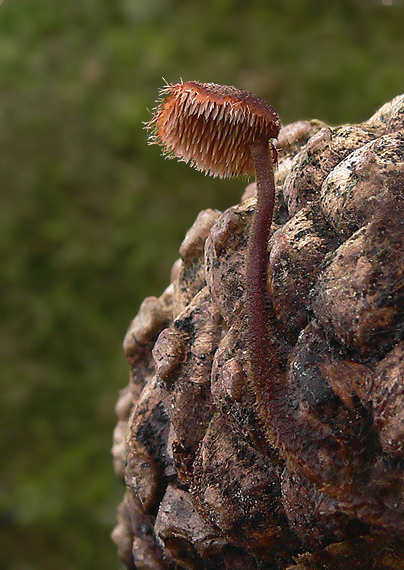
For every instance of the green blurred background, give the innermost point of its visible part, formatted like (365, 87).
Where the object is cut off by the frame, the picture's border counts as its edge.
(92, 217)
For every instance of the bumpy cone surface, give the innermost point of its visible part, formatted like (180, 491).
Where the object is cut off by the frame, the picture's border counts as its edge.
(206, 485)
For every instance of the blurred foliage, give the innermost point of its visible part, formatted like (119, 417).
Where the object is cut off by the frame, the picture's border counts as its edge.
(92, 217)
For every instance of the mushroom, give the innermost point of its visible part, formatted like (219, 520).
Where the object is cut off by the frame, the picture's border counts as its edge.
(225, 132)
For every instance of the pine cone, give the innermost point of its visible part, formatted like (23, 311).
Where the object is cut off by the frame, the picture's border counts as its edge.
(211, 483)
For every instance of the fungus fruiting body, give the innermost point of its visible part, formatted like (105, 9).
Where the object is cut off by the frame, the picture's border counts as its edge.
(285, 451)
(213, 127)
(225, 131)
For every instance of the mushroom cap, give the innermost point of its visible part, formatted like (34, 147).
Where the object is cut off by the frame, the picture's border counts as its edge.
(212, 126)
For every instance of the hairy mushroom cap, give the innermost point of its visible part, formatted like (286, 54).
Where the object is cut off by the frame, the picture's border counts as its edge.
(212, 126)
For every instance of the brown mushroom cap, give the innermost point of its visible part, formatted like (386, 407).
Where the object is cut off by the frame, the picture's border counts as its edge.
(212, 126)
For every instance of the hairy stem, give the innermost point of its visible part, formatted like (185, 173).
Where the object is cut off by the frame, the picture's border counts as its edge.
(306, 446)
(262, 358)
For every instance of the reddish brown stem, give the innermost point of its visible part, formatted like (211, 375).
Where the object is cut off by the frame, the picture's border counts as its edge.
(258, 302)
(303, 445)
